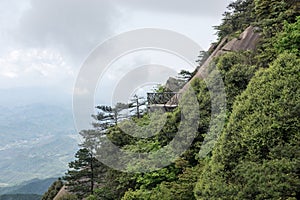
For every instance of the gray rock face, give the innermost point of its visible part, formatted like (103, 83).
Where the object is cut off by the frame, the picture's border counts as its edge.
(248, 40)
(173, 84)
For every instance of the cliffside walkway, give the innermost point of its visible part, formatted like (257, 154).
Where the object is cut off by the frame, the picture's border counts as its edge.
(247, 40)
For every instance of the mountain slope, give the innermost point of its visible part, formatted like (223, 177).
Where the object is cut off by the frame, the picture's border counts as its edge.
(35, 186)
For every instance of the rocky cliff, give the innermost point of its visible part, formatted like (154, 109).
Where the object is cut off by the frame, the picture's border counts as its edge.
(247, 40)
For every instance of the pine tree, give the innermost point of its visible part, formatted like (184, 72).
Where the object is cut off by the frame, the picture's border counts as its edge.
(84, 172)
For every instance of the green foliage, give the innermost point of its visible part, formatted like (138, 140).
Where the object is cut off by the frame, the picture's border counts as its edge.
(203, 56)
(160, 88)
(271, 13)
(116, 184)
(257, 155)
(165, 176)
(237, 18)
(271, 16)
(84, 173)
(265, 118)
(53, 190)
(136, 106)
(185, 75)
(118, 137)
(109, 116)
(151, 179)
(237, 69)
(181, 189)
(289, 38)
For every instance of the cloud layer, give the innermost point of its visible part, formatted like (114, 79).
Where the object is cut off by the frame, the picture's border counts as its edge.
(45, 42)
(187, 7)
(32, 66)
(73, 25)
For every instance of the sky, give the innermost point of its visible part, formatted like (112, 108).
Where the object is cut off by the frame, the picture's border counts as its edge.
(44, 43)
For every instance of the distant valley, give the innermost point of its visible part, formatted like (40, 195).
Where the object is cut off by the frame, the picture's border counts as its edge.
(37, 141)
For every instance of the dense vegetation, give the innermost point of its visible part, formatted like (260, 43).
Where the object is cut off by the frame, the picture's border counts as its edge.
(257, 155)
(53, 190)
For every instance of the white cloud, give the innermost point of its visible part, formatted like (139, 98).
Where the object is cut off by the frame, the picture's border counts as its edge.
(81, 91)
(187, 7)
(9, 74)
(44, 43)
(74, 27)
(33, 67)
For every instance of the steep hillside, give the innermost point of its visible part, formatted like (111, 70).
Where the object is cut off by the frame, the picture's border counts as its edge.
(257, 153)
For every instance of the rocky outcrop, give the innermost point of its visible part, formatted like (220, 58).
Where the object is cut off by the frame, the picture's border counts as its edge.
(247, 40)
(174, 84)
(63, 191)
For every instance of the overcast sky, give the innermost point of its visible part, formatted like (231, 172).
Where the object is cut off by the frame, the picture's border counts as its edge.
(43, 43)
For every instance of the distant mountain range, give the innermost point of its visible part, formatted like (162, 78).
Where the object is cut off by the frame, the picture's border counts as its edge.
(35, 186)
(20, 197)
(37, 141)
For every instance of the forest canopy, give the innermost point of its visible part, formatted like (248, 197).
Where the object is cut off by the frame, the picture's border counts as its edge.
(257, 155)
